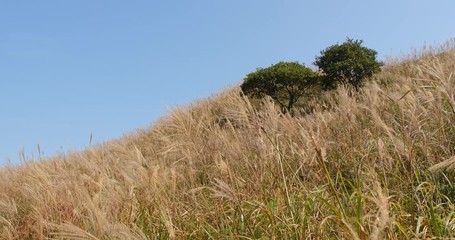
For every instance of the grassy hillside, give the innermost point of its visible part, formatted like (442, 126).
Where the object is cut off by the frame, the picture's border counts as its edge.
(379, 164)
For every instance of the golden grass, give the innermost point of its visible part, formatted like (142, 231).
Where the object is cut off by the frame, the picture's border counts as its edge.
(378, 164)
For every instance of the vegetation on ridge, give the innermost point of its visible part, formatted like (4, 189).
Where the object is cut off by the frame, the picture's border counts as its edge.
(374, 165)
(284, 82)
(287, 83)
(347, 63)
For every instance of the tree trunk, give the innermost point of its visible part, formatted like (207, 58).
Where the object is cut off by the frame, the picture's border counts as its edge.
(291, 102)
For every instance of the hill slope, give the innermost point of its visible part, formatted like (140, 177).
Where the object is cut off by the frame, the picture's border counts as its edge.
(378, 164)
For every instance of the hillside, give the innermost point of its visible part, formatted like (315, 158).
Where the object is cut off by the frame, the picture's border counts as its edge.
(378, 164)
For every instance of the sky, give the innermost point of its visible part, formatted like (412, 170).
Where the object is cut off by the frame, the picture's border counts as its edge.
(72, 69)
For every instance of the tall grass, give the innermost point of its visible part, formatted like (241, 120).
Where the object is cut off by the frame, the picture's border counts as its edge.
(378, 164)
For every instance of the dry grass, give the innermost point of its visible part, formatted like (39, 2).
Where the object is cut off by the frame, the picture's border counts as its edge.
(378, 164)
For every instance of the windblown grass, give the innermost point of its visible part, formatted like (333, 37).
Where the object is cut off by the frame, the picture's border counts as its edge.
(378, 164)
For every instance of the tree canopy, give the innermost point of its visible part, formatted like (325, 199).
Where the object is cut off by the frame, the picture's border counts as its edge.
(284, 82)
(349, 63)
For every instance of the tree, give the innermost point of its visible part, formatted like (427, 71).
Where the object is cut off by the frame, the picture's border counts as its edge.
(348, 63)
(284, 82)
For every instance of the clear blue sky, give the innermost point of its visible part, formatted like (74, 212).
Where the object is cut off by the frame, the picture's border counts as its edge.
(69, 68)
